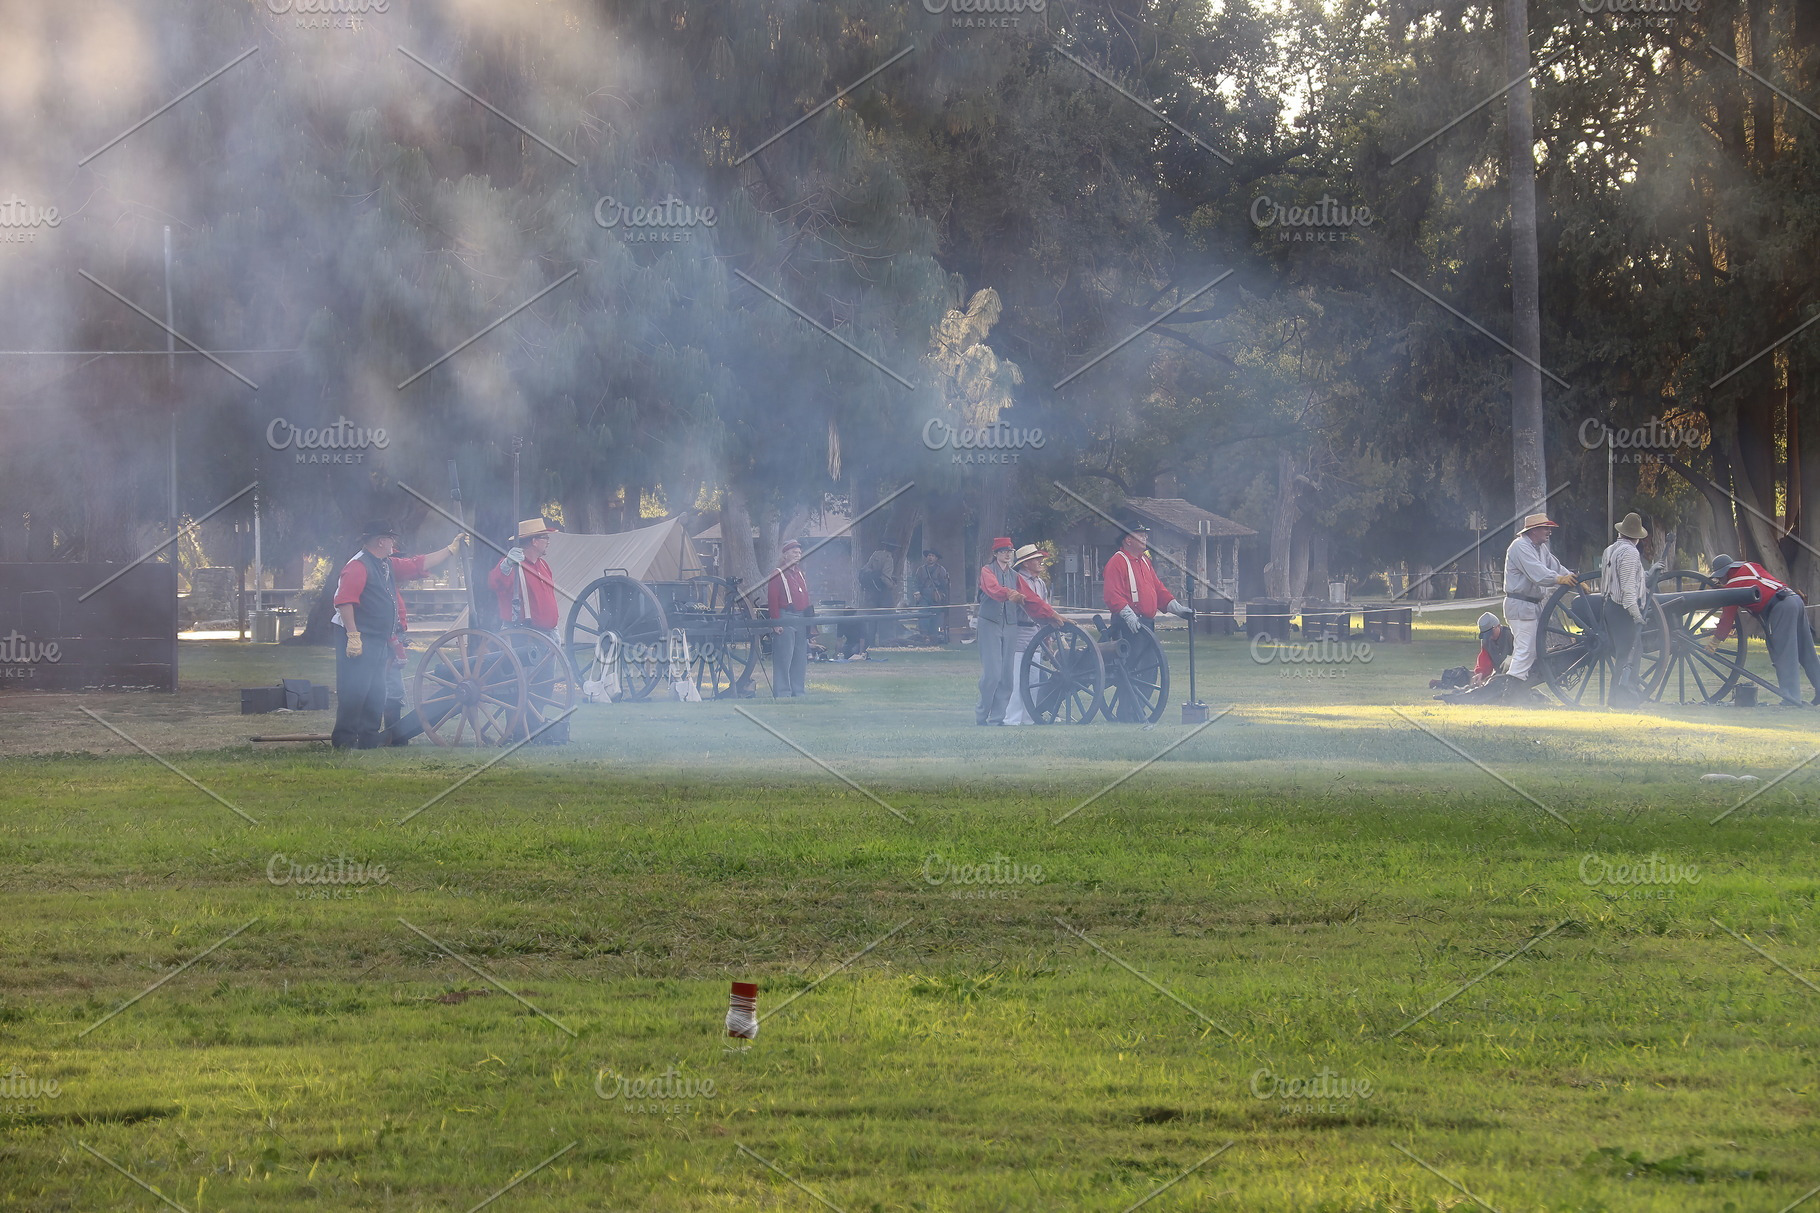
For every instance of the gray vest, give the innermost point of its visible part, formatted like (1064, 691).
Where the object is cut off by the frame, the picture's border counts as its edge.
(991, 610)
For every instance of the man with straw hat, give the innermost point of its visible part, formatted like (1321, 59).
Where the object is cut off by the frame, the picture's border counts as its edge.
(1530, 572)
(522, 581)
(1032, 613)
(1622, 581)
(996, 624)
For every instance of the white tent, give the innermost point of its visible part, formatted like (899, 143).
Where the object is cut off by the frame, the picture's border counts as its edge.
(662, 552)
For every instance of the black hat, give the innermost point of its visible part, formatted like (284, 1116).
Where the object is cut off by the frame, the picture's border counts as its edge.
(1135, 526)
(377, 527)
(932, 552)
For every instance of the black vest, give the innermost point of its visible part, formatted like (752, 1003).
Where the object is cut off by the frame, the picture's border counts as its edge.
(991, 610)
(376, 614)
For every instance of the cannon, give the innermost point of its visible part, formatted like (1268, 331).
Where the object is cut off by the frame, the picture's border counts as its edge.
(1681, 614)
(1071, 676)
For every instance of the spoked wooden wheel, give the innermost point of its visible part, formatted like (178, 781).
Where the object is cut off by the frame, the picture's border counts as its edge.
(1137, 679)
(723, 635)
(470, 690)
(552, 687)
(1061, 676)
(1577, 658)
(1691, 674)
(639, 646)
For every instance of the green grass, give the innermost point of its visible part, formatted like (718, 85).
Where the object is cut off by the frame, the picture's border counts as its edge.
(1306, 877)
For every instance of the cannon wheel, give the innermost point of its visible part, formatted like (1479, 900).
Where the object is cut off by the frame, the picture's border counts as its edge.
(1693, 675)
(625, 607)
(470, 689)
(1062, 676)
(1575, 658)
(551, 685)
(1137, 679)
(724, 646)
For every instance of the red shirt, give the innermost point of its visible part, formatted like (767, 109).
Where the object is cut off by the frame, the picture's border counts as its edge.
(1033, 603)
(989, 584)
(1743, 574)
(788, 589)
(1132, 582)
(540, 588)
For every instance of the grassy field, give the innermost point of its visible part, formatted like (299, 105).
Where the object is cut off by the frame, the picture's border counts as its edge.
(1309, 958)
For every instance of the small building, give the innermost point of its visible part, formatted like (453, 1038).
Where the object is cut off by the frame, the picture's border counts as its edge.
(1183, 537)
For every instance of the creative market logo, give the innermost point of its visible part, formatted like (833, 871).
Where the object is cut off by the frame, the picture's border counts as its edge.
(1652, 442)
(1324, 1093)
(343, 442)
(1324, 222)
(1324, 658)
(983, 14)
(667, 1094)
(1649, 879)
(1657, 12)
(327, 14)
(670, 221)
(20, 220)
(21, 656)
(994, 880)
(995, 443)
(336, 879)
(21, 1094)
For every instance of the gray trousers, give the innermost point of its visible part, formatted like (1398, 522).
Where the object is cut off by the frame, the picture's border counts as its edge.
(790, 655)
(1791, 645)
(998, 672)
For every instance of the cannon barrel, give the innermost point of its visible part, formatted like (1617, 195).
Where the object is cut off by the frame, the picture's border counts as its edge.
(1689, 601)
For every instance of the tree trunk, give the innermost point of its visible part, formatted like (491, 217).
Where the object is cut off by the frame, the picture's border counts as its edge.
(1528, 461)
(1282, 528)
(1806, 438)
(738, 557)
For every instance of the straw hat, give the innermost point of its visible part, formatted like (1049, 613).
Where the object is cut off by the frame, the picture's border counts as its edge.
(1532, 521)
(1026, 552)
(531, 528)
(1632, 526)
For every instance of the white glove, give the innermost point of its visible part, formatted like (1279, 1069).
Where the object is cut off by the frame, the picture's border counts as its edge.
(1181, 610)
(354, 648)
(1130, 618)
(515, 555)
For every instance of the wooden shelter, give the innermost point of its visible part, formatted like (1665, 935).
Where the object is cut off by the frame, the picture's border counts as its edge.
(1182, 536)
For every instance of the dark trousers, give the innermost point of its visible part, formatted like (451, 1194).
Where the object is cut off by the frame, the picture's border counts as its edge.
(359, 691)
(1626, 638)
(790, 656)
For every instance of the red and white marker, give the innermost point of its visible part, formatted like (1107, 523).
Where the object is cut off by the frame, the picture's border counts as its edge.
(742, 1010)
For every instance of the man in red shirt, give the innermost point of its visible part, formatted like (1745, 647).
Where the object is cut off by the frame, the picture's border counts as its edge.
(787, 601)
(1783, 614)
(1130, 586)
(407, 568)
(996, 631)
(522, 580)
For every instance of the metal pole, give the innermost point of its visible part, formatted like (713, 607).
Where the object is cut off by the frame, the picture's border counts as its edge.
(258, 558)
(170, 379)
(518, 444)
(1610, 499)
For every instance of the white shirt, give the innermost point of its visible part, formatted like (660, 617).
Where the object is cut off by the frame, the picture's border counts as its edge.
(1530, 570)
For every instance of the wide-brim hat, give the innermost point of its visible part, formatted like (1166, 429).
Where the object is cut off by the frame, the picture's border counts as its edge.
(1632, 527)
(1532, 521)
(932, 552)
(1026, 552)
(1720, 564)
(531, 528)
(377, 527)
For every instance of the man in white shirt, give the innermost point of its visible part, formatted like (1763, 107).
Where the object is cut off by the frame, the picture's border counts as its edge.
(1530, 573)
(1621, 579)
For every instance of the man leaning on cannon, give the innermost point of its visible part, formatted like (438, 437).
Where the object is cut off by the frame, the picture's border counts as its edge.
(1783, 614)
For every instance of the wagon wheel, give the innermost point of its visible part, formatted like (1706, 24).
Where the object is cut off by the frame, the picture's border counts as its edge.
(552, 686)
(724, 646)
(1137, 679)
(1062, 676)
(1571, 648)
(626, 607)
(470, 690)
(1691, 674)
